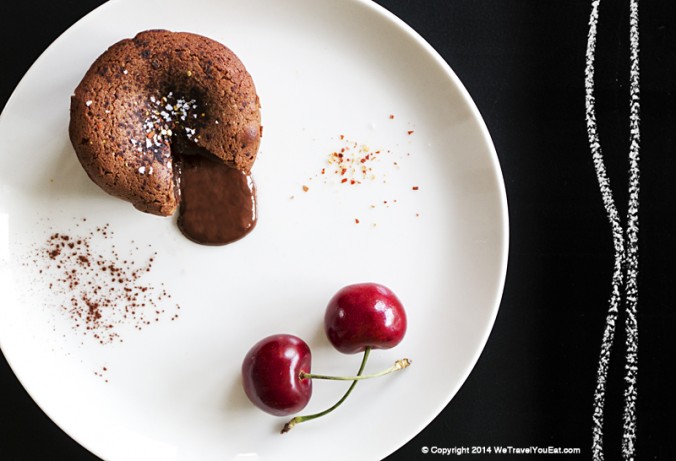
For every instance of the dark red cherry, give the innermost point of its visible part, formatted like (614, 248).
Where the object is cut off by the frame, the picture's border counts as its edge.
(271, 374)
(364, 315)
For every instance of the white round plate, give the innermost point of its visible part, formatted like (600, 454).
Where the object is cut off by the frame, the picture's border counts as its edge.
(428, 217)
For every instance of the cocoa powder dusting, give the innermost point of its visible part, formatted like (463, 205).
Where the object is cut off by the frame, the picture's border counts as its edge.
(102, 294)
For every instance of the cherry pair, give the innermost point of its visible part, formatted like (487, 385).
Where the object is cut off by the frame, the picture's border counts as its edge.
(276, 371)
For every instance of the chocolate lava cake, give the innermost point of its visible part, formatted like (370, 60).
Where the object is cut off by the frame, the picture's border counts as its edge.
(148, 101)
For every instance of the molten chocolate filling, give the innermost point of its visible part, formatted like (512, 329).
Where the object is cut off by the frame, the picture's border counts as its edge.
(217, 202)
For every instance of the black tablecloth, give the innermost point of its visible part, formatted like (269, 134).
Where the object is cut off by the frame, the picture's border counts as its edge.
(523, 62)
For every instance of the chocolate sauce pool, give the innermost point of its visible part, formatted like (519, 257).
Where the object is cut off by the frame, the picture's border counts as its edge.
(218, 202)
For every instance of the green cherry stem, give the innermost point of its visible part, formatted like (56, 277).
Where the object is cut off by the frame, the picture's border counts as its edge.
(300, 419)
(398, 365)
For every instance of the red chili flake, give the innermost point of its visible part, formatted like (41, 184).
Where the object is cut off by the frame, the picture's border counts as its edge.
(323, 170)
(391, 117)
(415, 188)
(305, 188)
(342, 137)
(356, 221)
(410, 132)
(344, 180)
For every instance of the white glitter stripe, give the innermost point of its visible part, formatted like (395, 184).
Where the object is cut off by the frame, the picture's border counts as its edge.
(631, 321)
(622, 257)
(617, 233)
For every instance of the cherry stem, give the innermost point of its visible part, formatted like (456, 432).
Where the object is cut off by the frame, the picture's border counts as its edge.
(300, 419)
(398, 365)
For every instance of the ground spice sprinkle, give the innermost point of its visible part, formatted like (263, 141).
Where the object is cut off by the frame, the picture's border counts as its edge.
(101, 294)
(352, 163)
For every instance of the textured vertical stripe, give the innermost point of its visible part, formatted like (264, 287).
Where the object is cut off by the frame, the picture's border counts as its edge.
(625, 253)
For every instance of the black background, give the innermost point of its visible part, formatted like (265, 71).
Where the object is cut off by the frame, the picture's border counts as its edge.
(523, 63)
